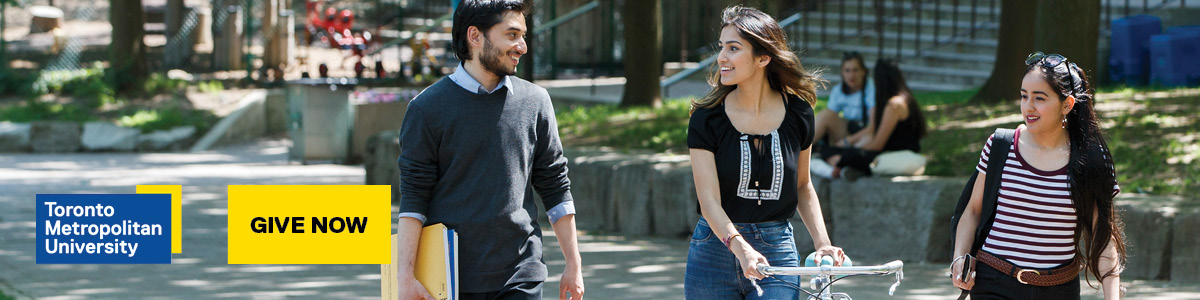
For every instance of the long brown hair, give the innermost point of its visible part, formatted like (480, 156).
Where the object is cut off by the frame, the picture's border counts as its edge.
(784, 72)
(1090, 172)
(889, 82)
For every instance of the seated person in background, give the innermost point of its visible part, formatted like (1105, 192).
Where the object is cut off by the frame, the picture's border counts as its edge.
(897, 127)
(853, 99)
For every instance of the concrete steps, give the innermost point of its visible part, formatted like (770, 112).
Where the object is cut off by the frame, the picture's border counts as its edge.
(949, 61)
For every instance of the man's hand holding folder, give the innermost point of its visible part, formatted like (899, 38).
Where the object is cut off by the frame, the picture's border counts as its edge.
(406, 286)
(411, 289)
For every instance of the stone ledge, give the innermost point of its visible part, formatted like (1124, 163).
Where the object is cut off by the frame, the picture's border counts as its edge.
(67, 136)
(1185, 246)
(54, 136)
(14, 137)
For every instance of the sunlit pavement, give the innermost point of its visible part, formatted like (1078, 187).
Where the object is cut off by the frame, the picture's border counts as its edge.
(615, 267)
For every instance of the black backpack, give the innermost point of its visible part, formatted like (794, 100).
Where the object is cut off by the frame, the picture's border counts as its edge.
(998, 155)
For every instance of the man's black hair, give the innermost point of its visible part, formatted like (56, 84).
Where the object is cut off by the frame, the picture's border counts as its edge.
(482, 14)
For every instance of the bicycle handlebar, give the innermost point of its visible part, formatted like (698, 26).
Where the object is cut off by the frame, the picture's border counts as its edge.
(883, 269)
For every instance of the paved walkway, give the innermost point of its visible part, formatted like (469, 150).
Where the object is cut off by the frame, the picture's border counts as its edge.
(615, 267)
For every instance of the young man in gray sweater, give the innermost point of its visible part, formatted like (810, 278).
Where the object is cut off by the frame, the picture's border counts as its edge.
(471, 145)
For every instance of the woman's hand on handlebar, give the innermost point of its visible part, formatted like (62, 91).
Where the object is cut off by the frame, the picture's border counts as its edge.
(836, 252)
(748, 258)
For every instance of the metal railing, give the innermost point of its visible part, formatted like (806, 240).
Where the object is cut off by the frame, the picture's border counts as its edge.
(543, 40)
(567, 17)
(897, 16)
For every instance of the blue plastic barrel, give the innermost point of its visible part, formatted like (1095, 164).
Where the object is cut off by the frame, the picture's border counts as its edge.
(1171, 63)
(1129, 57)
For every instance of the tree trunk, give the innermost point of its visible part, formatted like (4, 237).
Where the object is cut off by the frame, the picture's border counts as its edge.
(1015, 43)
(3, 42)
(1074, 33)
(270, 57)
(174, 17)
(643, 53)
(127, 58)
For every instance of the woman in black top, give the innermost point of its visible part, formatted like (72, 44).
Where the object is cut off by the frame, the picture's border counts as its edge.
(749, 140)
(898, 116)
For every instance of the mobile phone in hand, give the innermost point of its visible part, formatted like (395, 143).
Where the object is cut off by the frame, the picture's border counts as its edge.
(967, 266)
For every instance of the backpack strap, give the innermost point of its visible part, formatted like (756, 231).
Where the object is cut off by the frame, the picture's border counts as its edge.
(1002, 141)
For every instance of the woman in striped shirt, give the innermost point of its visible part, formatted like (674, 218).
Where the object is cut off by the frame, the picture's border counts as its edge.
(1054, 210)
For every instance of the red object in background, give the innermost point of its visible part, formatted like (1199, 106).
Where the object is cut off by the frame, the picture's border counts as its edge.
(335, 28)
(332, 25)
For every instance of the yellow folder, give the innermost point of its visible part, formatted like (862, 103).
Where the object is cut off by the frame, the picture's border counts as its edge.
(434, 266)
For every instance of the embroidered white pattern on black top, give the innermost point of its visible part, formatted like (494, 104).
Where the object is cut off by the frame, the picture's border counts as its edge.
(744, 189)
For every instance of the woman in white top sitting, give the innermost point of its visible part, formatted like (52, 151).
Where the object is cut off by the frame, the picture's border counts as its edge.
(851, 105)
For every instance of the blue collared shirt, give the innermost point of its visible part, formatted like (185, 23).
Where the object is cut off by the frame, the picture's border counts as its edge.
(464, 80)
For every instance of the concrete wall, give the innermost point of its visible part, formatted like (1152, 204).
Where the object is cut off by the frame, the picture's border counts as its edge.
(246, 123)
(1149, 226)
(371, 119)
(379, 159)
(1185, 246)
(276, 112)
(886, 218)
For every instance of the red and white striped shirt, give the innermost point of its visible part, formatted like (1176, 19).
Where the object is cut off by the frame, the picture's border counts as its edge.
(1035, 218)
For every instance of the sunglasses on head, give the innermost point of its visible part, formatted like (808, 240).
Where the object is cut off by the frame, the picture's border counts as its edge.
(1047, 60)
(1052, 61)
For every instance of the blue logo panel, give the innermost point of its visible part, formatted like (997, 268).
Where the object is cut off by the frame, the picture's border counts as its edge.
(103, 229)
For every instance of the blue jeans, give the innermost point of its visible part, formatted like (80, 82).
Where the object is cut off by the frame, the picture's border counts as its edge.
(713, 272)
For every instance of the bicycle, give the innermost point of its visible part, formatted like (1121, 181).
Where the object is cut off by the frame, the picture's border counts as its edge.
(824, 276)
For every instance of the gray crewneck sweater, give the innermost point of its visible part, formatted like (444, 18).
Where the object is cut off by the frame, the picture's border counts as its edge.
(467, 160)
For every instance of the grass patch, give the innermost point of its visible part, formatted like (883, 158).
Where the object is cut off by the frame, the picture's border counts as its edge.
(14, 82)
(34, 110)
(944, 98)
(1155, 147)
(211, 86)
(88, 94)
(159, 83)
(662, 129)
(167, 118)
